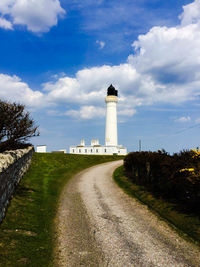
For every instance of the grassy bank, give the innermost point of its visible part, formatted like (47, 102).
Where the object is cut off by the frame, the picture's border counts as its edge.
(26, 234)
(186, 224)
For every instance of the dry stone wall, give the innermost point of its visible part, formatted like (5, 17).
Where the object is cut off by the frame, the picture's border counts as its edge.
(13, 165)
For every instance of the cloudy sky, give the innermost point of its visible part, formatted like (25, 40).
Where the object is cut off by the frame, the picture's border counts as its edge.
(59, 56)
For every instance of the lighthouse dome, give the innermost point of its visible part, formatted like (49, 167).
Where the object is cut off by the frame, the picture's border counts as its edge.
(112, 91)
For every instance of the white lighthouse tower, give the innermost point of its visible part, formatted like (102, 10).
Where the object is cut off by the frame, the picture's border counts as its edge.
(111, 117)
(111, 146)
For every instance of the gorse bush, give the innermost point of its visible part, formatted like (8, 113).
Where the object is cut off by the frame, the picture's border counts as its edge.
(175, 178)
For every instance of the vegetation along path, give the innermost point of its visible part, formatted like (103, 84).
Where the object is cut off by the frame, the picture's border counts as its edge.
(99, 225)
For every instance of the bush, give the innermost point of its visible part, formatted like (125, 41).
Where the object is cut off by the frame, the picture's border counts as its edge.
(16, 126)
(176, 177)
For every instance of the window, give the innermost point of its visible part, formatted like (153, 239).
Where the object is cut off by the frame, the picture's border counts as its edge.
(97, 150)
(72, 150)
(91, 150)
(85, 150)
(105, 150)
(79, 150)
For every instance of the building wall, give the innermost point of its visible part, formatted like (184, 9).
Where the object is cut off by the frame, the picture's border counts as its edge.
(97, 150)
(41, 149)
(13, 165)
(122, 151)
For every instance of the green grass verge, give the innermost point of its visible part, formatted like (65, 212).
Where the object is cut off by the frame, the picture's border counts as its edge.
(26, 234)
(186, 225)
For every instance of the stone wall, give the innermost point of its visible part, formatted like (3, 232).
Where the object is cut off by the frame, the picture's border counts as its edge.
(13, 165)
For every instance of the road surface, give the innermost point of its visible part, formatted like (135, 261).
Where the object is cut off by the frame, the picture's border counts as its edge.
(99, 225)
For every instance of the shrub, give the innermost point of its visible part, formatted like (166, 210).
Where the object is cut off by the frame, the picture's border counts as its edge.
(176, 177)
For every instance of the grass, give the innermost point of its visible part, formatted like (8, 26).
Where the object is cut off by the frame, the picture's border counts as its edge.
(187, 225)
(26, 234)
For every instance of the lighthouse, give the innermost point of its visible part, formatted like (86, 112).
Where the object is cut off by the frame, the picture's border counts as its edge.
(111, 146)
(111, 116)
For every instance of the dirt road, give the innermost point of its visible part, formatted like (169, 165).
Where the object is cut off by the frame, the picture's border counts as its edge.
(99, 225)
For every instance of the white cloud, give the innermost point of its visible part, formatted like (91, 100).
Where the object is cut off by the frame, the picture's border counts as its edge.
(127, 112)
(5, 24)
(101, 44)
(169, 55)
(37, 16)
(191, 13)
(14, 90)
(168, 60)
(184, 119)
(89, 85)
(5, 6)
(86, 112)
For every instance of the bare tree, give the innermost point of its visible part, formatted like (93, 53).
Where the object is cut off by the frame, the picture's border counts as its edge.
(16, 126)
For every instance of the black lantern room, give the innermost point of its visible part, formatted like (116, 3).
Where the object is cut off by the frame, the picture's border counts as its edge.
(112, 91)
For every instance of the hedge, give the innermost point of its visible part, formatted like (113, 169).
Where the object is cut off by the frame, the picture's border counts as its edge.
(173, 177)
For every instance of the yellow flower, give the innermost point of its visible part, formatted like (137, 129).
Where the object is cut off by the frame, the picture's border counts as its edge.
(196, 153)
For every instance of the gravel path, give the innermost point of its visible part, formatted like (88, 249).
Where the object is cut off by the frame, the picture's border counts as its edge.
(99, 225)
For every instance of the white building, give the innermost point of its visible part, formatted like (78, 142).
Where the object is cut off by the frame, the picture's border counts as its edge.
(41, 149)
(96, 149)
(111, 146)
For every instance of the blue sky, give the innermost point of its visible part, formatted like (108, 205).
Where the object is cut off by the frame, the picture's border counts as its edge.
(59, 56)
